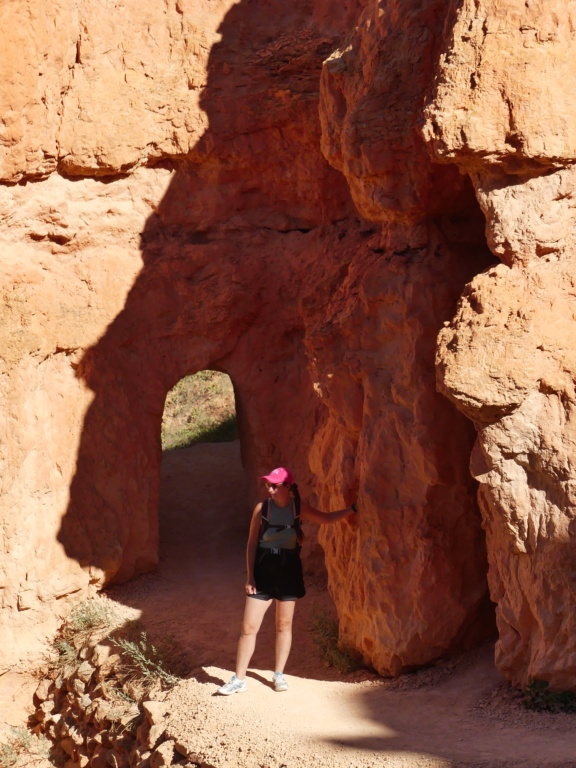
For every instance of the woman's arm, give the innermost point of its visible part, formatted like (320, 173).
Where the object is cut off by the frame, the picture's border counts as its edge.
(251, 548)
(315, 516)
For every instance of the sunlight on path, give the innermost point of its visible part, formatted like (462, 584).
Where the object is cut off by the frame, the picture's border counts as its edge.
(312, 724)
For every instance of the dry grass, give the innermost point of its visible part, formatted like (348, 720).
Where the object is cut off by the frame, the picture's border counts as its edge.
(324, 628)
(23, 749)
(199, 409)
(87, 622)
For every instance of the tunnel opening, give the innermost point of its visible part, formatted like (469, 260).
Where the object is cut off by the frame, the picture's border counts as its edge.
(203, 486)
(200, 408)
(203, 518)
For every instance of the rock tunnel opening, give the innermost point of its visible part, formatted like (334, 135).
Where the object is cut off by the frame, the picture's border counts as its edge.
(200, 408)
(206, 497)
(203, 495)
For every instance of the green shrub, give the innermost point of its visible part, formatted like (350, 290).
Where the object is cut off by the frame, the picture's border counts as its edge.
(143, 663)
(68, 655)
(538, 696)
(324, 628)
(78, 630)
(22, 747)
(89, 615)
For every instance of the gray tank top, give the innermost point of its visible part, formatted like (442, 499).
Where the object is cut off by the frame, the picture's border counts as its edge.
(278, 535)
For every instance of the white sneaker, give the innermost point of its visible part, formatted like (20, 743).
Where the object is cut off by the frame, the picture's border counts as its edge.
(234, 686)
(280, 683)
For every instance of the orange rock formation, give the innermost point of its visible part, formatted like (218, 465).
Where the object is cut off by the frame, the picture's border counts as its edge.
(506, 358)
(293, 193)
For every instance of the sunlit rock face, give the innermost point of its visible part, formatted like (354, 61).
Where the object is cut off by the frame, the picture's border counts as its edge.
(410, 581)
(245, 187)
(172, 212)
(501, 110)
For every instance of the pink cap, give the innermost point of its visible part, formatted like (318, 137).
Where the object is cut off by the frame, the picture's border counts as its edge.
(279, 475)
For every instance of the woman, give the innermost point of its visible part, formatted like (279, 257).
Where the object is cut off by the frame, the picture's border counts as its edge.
(274, 571)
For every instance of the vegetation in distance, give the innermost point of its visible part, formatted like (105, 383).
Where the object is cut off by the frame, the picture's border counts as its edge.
(199, 409)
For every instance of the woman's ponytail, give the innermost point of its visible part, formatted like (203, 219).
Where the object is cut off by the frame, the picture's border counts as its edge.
(296, 494)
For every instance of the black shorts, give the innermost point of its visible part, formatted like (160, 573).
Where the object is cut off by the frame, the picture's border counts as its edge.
(278, 576)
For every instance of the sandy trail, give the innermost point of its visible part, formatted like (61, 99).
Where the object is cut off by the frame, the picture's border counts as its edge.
(458, 713)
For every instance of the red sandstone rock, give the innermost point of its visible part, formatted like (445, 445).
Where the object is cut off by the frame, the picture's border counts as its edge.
(115, 289)
(413, 573)
(492, 104)
(82, 95)
(222, 226)
(508, 357)
(373, 87)
(506, 360)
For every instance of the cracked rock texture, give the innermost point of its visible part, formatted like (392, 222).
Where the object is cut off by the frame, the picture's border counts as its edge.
(83, 97)
(296, 194)
(501, 111)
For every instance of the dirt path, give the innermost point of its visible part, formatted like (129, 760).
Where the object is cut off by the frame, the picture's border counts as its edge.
(458, 713)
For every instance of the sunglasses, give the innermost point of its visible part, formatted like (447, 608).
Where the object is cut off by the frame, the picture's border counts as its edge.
(274, 486)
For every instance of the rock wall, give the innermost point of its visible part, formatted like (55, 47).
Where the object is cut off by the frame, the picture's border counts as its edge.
(296, 194)
(506, 359)
(126, 268)
(416, 569)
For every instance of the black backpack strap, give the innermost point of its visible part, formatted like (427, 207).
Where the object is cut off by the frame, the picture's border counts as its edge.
(297, 510)
(265, 521)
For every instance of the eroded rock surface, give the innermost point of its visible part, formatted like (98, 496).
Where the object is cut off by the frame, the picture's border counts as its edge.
(81, 96)
(508, 357)
(419, 535)
(293, 193)
(116, 287)
(502, 86)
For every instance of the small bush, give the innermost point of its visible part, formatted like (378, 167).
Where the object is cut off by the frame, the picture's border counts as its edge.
(143, 665)
(23, 748)
(68, 655)
(539, 697)
(77, 632)
(324, 630)
(89, 615)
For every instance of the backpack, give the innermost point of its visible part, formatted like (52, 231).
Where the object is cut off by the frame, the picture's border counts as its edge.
(265, 522)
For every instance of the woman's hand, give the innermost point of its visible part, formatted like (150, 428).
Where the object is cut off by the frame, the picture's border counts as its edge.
(320, 518)
(250, 587)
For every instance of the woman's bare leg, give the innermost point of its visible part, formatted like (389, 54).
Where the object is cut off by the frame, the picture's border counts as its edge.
(254, 611)
(284, 616)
